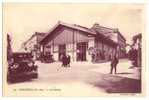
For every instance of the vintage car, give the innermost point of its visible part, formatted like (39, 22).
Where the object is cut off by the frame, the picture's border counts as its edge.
(46, 58)
(21, 67)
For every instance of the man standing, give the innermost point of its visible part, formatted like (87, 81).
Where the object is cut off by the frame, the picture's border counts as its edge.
(68, 60)
(114, 63)
(62, 58)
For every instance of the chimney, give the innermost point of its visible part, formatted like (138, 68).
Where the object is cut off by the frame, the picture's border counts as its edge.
(116, 30)
(59, 21)
(95, 26)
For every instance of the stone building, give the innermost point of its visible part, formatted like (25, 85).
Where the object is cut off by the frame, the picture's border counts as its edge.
(83, 44)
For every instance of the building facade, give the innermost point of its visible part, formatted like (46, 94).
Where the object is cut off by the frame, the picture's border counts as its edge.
(137, 46)
(81, 43)
(32, 44)
(114, 35)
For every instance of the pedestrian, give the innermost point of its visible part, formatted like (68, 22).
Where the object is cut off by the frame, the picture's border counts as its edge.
(62, 60)
(65, 60)
(68, 60)
(114, 63)
(93, 57)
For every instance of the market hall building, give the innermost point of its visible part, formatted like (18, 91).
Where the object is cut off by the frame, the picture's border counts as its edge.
(83, 44)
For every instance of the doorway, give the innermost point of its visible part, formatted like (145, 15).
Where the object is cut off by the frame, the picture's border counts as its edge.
(61, 50)
(81, 51)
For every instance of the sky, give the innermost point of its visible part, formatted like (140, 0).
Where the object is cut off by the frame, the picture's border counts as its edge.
(21, 20)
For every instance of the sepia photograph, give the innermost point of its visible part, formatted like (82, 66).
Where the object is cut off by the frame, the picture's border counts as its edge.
(72, 49)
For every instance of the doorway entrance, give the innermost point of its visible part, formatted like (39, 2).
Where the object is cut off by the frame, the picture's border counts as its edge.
(61, 51)
(81, 51)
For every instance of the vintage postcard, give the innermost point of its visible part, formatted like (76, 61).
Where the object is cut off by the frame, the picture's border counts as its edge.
(62, 49)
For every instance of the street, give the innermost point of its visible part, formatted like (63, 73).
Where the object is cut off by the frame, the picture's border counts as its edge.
(81, 79)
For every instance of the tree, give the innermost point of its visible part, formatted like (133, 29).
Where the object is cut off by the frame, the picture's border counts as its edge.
(9, 49)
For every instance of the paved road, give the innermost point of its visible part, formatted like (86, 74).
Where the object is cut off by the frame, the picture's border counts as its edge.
(83, 79)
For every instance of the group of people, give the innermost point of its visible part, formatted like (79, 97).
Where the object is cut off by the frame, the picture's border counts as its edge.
(65, 60)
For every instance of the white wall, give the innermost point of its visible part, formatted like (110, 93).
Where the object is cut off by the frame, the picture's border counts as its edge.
(91, 43)
(55, 56)
(30, 44)
(88, 57)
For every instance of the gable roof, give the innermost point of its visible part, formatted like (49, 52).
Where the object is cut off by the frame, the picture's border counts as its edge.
(94, 31)
(39, 35)
(138, 36)
(106, 31)
(72, 26)
(78, 27)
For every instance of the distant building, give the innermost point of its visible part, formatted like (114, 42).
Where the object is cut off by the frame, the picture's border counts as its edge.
(32, 44)
(83, 44)
(114, 35)
(137, 41)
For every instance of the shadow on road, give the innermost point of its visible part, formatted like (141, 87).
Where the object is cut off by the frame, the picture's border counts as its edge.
(118, 85)
(124, 73)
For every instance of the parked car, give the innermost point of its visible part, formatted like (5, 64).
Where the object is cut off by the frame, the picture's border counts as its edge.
(21, 67)
(46, 58)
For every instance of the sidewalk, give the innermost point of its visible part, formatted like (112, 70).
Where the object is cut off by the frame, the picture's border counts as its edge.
(123, 69)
